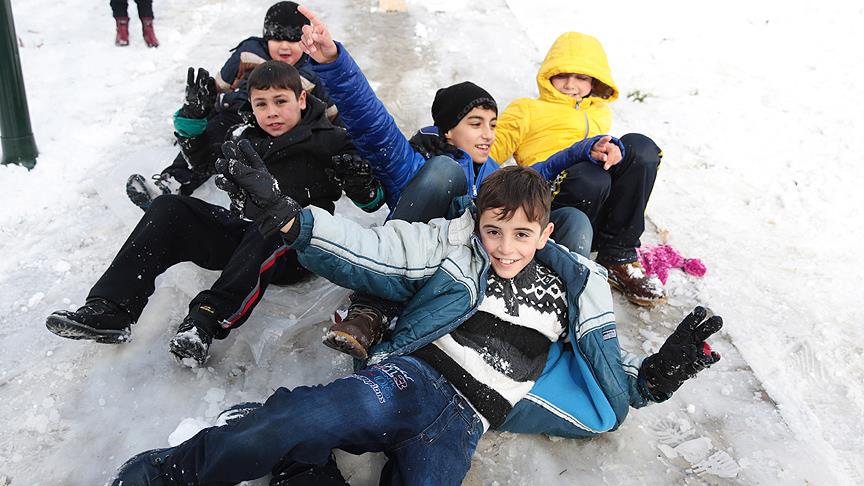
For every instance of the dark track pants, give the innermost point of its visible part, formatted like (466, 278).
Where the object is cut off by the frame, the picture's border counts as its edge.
(183, 229)
(614, 200)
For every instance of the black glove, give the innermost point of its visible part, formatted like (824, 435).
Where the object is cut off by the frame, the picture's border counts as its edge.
(429, 145)
(238, 196)
(200, 94)
(245, 169)
(353, 174)
(684, 354)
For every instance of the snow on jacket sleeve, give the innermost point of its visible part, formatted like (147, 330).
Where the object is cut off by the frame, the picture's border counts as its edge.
(510, 130)
(392, 261)
(578, 152)
(370, 126)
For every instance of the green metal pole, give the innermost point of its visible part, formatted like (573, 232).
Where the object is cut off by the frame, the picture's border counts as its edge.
(16, 136)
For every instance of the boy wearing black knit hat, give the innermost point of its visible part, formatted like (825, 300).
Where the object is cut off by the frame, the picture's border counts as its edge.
(280, 41)
(420, 182)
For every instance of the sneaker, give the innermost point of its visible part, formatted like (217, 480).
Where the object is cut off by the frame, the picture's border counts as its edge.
(631, 280)
(191, 344)
(142, 192)
(149, 34)
(122, 37)
(97, 320)
(144, 469)
(288, 472)
(360, 330)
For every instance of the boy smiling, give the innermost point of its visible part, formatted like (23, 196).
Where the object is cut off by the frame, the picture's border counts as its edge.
(472, 348)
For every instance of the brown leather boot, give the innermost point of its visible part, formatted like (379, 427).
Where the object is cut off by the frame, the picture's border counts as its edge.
(630, 279)
(122, 37)
(361, 329)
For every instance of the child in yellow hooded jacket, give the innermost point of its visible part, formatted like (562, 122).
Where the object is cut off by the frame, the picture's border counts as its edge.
(576, 87)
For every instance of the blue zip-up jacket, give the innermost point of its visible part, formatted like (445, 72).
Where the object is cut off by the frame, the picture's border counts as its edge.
(439, 270)
(378, 139)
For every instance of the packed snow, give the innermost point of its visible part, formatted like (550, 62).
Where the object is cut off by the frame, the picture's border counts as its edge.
(755, 104)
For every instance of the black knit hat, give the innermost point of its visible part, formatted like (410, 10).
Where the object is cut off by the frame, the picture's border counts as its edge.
(284, 22)
(454, 102)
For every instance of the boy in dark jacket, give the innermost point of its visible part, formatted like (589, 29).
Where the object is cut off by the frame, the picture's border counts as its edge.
(307, 156)
(478, 345)
(280, 41)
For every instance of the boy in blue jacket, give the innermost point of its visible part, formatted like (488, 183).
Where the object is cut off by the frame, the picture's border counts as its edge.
(280, 41)
(419, 187)
(478, 344)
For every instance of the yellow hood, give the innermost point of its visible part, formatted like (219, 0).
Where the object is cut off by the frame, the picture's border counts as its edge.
(573, 52)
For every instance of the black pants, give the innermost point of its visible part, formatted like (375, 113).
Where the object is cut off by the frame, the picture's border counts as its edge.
(119, 8)
(183, 229)
(614, 200)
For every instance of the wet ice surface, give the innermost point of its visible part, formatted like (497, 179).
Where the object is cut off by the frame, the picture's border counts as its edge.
(757, 181)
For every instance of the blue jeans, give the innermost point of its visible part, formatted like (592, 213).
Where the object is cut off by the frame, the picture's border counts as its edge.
(401, 407)
(572, 229)
(429, 193)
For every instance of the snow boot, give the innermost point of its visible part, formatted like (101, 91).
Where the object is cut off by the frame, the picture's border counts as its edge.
(290, 473)
(144, 469)
(149, 34)
(631, 280)
(360, 330)
(193, 339)
(122, 37)
(142, 192)
(97, 320)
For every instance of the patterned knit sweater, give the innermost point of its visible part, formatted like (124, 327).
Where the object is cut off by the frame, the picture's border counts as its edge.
(494, 357)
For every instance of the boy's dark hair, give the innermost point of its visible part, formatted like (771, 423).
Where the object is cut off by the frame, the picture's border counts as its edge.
(514, 187)
(600, 89)
(275, 75)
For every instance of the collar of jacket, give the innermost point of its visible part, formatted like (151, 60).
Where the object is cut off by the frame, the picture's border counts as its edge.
(313, 118)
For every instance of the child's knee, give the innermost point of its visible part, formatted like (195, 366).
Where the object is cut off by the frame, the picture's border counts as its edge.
(644, 151)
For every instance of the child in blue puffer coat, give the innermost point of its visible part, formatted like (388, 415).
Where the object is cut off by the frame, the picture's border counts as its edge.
(419, 187)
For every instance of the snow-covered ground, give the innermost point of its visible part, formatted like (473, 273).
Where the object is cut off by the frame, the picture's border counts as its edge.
(757, 108)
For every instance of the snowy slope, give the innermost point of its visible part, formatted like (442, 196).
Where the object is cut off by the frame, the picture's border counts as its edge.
(755, 106)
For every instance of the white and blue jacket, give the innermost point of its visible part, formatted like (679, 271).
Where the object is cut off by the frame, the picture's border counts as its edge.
(439, 271)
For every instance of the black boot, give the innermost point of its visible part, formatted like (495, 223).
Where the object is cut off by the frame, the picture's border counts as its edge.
(144, 469)
(193, 338)
(97, 320)
(360, 330)
(290, 473)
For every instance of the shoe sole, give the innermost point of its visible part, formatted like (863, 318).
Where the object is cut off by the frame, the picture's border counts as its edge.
(70, 329)
(345, 343)
(137, 194)
(636, 300)
(182, 352)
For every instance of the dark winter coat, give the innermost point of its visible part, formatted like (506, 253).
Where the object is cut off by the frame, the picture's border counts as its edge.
(248, 54)
(298, 159)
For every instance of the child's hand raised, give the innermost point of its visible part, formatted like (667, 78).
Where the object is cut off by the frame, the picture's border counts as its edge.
(316, 39)
(606, 152)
